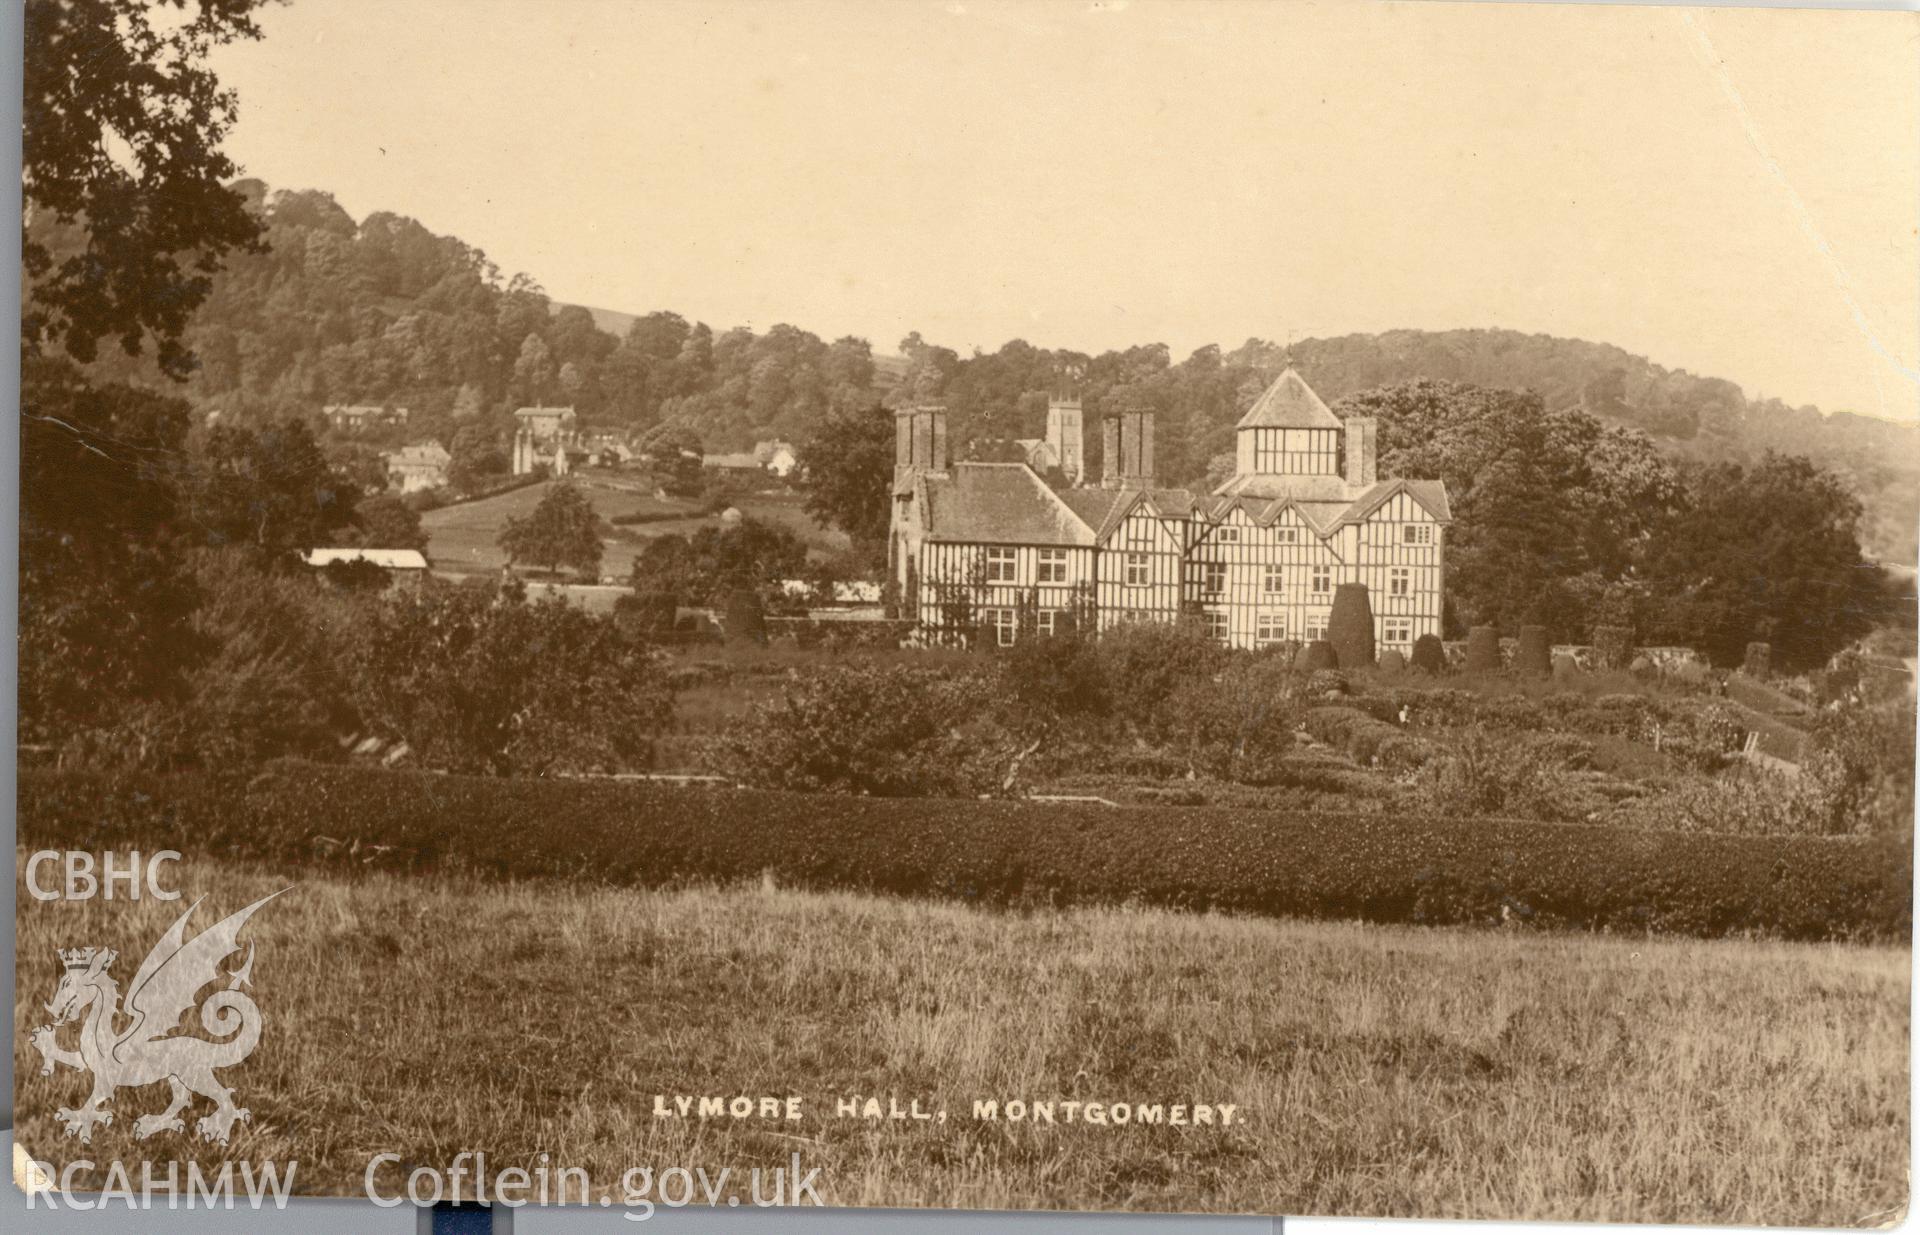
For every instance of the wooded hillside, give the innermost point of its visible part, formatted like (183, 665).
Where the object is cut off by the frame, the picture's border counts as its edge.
(384, 311)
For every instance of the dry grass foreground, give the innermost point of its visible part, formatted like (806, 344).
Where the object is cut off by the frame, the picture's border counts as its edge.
(1382, 1071)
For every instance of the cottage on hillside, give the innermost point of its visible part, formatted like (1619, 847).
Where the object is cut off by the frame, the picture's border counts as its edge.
(359, 417)
(420, 466)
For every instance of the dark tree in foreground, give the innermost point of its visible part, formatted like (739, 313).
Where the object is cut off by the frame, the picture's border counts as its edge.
(104, 597)
(478, 682)
(849, 471)
(563, 530)
(387, 522)
(121, 132)
(1770, 553)
(713, 563)
(142, 220)
(272, 491)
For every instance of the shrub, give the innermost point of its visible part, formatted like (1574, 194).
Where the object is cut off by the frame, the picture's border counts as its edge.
(476, 681)
(1381, 867)
(1366, 740)
(1044, 682)
(1743, 800)
(1864, 757)
(886, 730)
(1429, 656)
(1758, 662)
(1643, 669)
(1515, 775)
(1483, 650)
(1318, 656)
(1350, 627)
(1565, 668)
(1612, 647)
(1392, 662)
(1143, 664)
(1238, 726)
(1535, 655)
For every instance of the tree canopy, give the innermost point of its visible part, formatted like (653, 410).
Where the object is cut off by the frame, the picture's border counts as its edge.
(122, 171)
(562, 530)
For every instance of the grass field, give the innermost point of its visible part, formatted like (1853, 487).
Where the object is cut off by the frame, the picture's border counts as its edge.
(1378, 1070)
(465, 537)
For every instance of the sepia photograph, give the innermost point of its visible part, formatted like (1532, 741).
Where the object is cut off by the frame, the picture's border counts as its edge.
(1284, 608)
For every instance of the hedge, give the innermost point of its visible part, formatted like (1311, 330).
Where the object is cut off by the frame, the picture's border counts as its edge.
(1381, 868)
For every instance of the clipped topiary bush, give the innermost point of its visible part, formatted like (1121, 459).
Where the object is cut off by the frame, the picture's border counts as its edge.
(1391, 661)
(1612, 647)
(1429, 656)
(1643, 668)
(1350, 626)
(1483, 650)
(1319, 655)
(1535, 655)
(1322, 682)
(1759, 660)
(1565, 668)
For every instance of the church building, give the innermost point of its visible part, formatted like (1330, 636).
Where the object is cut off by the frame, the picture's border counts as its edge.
(991, 546)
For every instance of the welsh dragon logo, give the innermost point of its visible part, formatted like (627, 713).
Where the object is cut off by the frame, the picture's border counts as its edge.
(132, 1045)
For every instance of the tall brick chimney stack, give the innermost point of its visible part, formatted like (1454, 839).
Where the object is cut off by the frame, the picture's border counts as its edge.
(1363, 452)
(919, 439)
(1126, 458)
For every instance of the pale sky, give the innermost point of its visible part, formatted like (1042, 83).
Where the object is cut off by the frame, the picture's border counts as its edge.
(1731, 192)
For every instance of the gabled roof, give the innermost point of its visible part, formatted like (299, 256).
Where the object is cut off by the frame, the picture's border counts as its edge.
(1000, 503)
(431, 453)
(1105, 509)
(1289, 404)
(1431, 494)
(1099, 509)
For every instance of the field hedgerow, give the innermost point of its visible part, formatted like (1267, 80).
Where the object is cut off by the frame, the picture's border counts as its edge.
(1385, 867)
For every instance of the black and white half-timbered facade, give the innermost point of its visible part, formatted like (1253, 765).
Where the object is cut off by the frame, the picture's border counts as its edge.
(992, 548)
